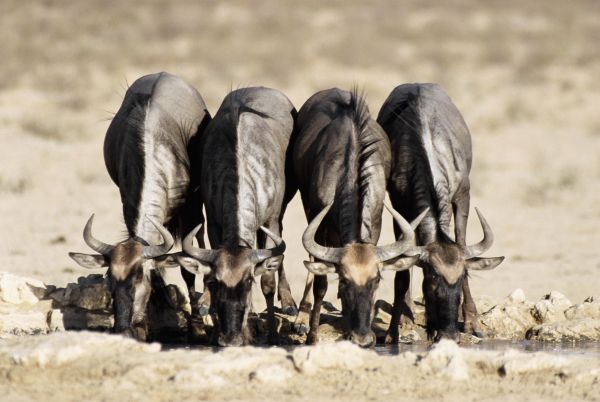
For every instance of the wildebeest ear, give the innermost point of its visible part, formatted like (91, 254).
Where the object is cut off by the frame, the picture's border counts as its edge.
(167, 261)
(90, 261)
(270, 264)
(320, 267)
(193, 265)
(400, 264)
(483, 264)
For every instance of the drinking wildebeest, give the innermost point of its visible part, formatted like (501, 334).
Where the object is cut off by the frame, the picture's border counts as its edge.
(341, 164)
(150, 152)
(244, 189)
(431, 148)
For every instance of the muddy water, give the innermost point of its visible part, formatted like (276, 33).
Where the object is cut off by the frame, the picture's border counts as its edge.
(589, 349)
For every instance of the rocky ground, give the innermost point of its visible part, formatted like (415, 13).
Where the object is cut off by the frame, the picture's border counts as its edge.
(91, 366)
(39, 360)
(29, 307)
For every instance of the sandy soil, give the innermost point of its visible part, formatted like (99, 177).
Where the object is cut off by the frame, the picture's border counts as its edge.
(86, 366)
(523, 75)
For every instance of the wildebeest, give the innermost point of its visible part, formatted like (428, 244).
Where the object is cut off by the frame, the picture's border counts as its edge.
(149, 150)
(431, 148)
(341, 164)
(244, 189)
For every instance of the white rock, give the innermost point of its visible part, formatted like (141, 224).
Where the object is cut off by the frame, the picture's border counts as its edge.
(508, 321)
(24, 319)
(246, 359)
(197, 379)
(516, 296)
(527, 363)
(584, 329)
(445, 358)
(16, 289)
(583, 310)
(23, 323)
(56, 321)
(271, 374)
(340, 355)
(64, 347)
(551, 308)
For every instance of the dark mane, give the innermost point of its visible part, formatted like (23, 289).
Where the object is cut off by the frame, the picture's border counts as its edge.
(353, 191)
(368, 139)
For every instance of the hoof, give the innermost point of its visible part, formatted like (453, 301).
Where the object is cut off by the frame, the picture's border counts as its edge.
(478, 334)
(290, 310)
(301, 329)
(391, 339)
(329, 306)
(312, 339)
(203, 310)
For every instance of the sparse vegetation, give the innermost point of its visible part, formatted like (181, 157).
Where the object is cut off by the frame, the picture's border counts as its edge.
(14, 185)
(549, 188)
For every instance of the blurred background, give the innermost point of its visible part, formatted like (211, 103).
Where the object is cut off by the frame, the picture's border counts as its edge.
(524, 75)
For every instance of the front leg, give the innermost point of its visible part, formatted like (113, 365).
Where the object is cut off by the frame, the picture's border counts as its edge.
(302, 322)
(469, 309)
(461, 216)
(288, 305)
(267, 284)
(402, 311)
(319, 290)
(203, 303)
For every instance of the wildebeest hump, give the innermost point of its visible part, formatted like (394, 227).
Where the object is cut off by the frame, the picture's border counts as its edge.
(243, 180)
(348, 154)
(146, 149)
(431, 150)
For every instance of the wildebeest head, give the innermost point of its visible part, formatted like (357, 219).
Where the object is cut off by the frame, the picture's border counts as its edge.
(129, 265)
(359, 266)
(231, 275)
(445, 265)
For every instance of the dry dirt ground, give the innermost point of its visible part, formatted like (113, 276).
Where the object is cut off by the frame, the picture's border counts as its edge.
(524, 75)
(88, 366)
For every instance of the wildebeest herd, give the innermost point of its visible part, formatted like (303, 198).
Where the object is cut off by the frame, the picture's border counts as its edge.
(170, 159)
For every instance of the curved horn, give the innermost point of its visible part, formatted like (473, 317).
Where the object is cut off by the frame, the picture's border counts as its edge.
(328, 254)
(407, 242)
(488, 239)
(262, 254)
(95, 244)
(201, 254)
(168, 241)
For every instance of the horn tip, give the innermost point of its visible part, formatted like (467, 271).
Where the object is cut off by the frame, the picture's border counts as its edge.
(197, 229)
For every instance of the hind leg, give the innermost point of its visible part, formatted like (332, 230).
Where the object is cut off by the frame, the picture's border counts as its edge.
(319, 290)
(201, 305)
(284, 293)
(288, 305)
(461, 216)
(267, 285)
